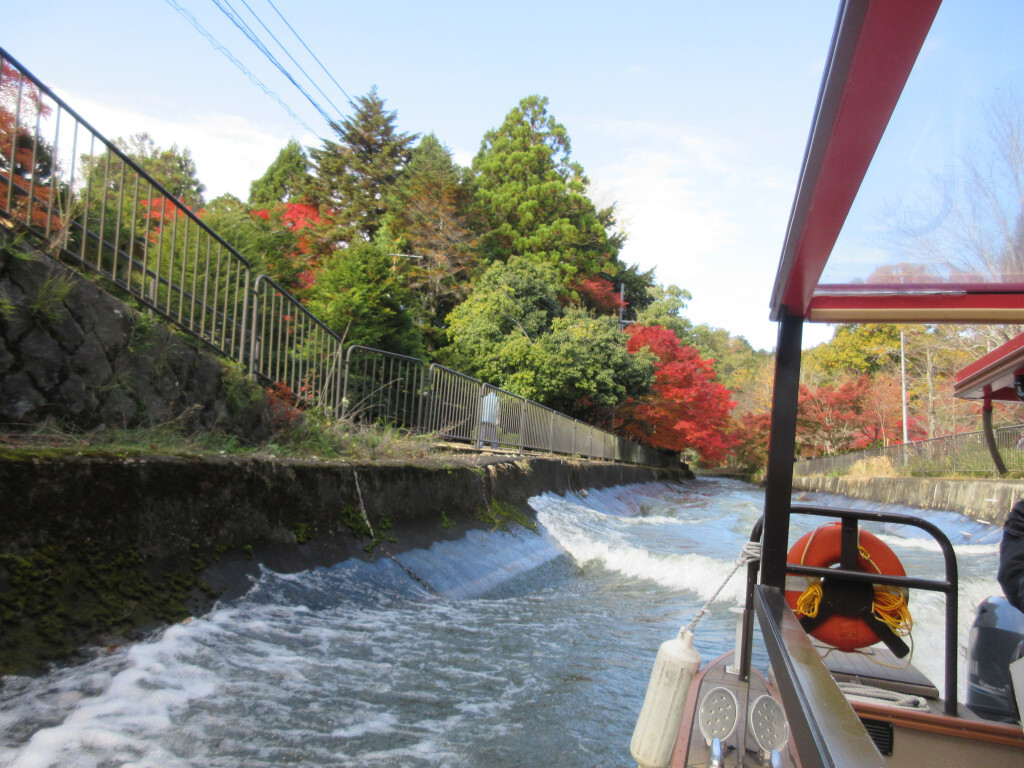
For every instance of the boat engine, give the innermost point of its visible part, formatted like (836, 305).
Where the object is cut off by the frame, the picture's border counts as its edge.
(996, 640)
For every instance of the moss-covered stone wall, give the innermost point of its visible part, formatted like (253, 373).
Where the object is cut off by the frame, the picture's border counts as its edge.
(94, 549)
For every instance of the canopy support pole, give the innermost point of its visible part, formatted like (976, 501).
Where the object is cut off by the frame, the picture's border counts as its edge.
(781, 448)
(990, 438)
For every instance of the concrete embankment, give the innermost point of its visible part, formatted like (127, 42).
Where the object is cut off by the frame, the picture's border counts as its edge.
(96, 549)
(987, 500)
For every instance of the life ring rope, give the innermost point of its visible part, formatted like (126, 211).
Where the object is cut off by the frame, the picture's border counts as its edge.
(888, 605)
(809, 600)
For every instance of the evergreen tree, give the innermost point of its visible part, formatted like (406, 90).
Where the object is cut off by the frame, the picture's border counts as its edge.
(354, 174)
(430, 202)
(360, 294)
(286, 178)
(513, 331)
(531, 198)
(511, 307)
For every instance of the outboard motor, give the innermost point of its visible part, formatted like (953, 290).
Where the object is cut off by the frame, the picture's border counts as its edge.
(997, 640)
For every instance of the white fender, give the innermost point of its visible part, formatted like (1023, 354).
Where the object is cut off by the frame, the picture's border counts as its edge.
(658, 725)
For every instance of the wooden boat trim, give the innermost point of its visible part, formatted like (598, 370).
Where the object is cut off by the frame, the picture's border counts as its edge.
(1004, 734)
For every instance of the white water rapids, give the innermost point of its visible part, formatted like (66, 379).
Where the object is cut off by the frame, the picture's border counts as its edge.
(534, 650)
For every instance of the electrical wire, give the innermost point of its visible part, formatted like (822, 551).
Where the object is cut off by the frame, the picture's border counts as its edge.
(310, 52)
(231, 57)
(397, 185)
(245, 29)
(288, 54)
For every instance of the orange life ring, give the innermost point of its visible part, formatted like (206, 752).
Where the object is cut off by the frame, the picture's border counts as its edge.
(848, 615)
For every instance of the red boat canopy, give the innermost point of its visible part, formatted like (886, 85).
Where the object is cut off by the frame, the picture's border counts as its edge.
(992, 376)
(874, 49)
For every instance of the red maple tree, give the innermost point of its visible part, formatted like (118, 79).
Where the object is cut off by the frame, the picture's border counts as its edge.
(686, 408)
(26, 162)
(599, 294)
(750, 440)
(298, 217)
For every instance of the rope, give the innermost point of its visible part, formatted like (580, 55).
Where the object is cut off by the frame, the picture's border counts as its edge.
(889, 604)
(871, 694)
(751, 553)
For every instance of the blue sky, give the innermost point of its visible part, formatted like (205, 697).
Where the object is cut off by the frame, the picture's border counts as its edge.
(691, 116)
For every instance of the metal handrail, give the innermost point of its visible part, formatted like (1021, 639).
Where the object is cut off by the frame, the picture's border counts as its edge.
(115, 219)
(291, 345)
(199, 282)
(382, 387)
(948, 586)
(795, 668)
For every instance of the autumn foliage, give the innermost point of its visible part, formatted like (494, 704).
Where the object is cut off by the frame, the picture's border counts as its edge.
(25, 162)
(686, 408)
(302, 219)
(599, 294)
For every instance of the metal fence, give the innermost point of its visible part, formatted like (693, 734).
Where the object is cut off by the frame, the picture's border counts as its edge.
(964, 454)
(95, 206)
(383, 388)
(62, 179)
(290, 345)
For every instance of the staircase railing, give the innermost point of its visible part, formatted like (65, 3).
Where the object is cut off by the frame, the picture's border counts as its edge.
(94, 206)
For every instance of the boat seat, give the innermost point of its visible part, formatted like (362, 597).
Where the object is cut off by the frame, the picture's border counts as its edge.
(878, 667)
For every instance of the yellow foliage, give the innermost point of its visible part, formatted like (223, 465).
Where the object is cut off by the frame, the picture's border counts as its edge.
(876, 466)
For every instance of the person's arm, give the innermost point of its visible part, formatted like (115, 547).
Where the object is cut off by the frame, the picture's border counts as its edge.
(1011, 557)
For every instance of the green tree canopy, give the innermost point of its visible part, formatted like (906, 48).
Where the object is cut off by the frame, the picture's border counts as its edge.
(736, 362)
(174, 168)
(285, 179)
(354, 174)
(859, 349)
(531, 198)
(583, 367)
(512, 331)
(664, 308)
(510, 308)
(360, 294)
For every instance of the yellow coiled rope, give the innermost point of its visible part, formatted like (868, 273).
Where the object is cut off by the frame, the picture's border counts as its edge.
(809, 600)
(889, 604)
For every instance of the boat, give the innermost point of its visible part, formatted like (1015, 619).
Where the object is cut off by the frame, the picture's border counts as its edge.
(839, 691)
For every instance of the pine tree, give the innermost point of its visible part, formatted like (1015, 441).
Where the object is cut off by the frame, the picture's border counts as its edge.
(355, 174)
(531, 198)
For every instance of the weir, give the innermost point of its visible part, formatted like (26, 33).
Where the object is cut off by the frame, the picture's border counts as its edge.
(97, 548)
(506, 647)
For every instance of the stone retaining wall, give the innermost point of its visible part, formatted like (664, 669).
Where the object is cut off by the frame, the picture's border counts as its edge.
(988, 500)
(71, 353)
(93, 549)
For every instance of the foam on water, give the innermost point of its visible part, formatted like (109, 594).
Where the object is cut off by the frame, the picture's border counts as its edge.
(500, 649)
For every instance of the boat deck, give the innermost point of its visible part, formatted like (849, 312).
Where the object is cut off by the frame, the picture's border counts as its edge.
(876, 667)
(740, 746)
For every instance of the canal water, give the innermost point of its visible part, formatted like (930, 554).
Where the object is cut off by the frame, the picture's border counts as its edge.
(507, 650)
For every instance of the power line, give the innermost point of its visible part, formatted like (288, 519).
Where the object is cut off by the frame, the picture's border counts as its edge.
(252, 78)
(399, 185)
(310, 52)
(246, 30)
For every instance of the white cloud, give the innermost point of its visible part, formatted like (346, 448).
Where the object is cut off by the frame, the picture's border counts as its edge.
(229, 152)
(669, 225)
